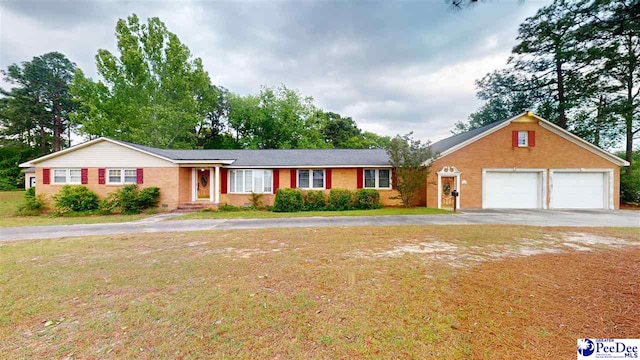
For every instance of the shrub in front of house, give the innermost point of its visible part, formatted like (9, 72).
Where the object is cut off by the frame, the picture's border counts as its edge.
(131, 200)
(33, 205)
(76, 198)
(367, 199)
(288, 200)
(340, 199)
(314, 200)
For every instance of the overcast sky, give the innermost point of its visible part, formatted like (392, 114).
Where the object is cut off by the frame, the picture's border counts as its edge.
(394, 67)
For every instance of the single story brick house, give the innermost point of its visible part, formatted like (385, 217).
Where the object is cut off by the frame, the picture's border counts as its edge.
(521, 162)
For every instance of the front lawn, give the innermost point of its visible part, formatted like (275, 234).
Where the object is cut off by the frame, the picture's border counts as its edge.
(259, 214)
(425, 292)
(9, 201)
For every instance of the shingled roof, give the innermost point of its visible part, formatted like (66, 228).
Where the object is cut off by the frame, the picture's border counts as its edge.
(304, 157)
(281, 158)
(446, 144)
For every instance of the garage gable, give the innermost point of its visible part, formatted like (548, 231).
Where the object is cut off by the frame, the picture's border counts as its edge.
(531, 130)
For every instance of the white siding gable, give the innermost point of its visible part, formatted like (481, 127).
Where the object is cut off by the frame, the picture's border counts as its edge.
(105, 154)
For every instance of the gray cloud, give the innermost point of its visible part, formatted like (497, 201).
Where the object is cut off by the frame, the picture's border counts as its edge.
(394, 67)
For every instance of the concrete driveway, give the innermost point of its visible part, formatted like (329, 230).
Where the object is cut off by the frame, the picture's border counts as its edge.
(575, 218)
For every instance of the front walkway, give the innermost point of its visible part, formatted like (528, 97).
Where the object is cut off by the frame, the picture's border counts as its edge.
(603, 218)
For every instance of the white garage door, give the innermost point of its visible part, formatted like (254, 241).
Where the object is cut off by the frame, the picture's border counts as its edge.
(578, 190)
(512, 190)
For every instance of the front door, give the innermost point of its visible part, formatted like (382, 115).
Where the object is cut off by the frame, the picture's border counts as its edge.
(447, 199)
(203, 183)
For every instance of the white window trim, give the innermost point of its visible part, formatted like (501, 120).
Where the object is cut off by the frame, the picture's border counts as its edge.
(122, 176)
(526, 138)
(252, 181)
(324, 179)
(67, 176)
(377, 180)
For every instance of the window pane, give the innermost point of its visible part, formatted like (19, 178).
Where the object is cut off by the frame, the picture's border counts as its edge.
(248, 180)
(232, 181)
(522, 137)
(75, 176)
(303, 179)
(318, 179)
(257, 181)
(384, 176)
(267, 181)
(369, 178)
(239, 180)
(130, 176)
(60, 176)
(114, 175)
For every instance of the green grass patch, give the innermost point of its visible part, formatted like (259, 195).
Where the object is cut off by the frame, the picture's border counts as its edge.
(260, 214)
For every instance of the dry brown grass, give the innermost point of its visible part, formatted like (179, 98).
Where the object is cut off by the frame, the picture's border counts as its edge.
(403, 292)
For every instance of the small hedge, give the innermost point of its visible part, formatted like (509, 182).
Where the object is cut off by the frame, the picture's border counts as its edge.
(340, 199)
(315, 200)
(131, 200)
(33, 205)
(288, 200)
(367, 199)
(75, 199)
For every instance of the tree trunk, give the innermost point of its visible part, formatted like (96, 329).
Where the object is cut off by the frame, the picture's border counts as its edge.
(628, 116)
(57, 127)
(562, 118)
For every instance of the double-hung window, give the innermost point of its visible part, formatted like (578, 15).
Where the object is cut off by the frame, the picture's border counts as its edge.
(250, 181)
(523, 138)
(311, 179)
(377, 178)
(67, 176)
(121, 176)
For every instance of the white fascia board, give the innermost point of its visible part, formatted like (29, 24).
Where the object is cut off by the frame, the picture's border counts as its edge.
(189, 163)
(308, 166)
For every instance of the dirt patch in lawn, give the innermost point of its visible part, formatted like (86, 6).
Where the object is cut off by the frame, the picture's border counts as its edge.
(538, 307)
(428, 292)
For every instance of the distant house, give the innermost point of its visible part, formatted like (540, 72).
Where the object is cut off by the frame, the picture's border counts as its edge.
(522, 162)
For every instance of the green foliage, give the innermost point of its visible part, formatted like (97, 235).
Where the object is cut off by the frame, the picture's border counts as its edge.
(33, 204)
(340, 199)
(154, 93)
(75, 198)
(630, 181)
(288, 200)
(131, 200)
(314, 200)
(367, 199)
(35, 111)
(228, 208)
(411, 163)
(256, 200)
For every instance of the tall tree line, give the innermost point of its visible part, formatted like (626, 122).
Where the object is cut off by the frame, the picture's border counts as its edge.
(577, 64)
(154, 92)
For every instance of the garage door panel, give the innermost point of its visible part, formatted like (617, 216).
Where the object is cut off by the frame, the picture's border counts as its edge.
(512, 190)
(578, 190)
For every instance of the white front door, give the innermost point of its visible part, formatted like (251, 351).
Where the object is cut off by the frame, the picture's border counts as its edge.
(512, 190)
(579, 190)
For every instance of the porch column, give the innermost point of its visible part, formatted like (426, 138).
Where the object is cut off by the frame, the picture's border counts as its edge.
(216, 192)
(193, 184)
(211, 184)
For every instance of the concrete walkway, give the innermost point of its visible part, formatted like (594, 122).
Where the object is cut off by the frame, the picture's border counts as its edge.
(469, 217)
